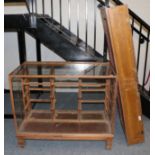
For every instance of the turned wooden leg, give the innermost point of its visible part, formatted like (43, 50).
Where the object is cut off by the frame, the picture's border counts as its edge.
(109, 144)
(21, 142)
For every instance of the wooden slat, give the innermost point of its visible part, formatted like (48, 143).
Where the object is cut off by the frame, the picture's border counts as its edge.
(79, 100)
(40, 101)
(93, 90)
(68, 120)
(92, 85)
(65, 76)
(68, 111)
(52, 93)
(65, 136)
(39, 89)
(92, 101)
(37, 84)
(120, 43)
(28, 105)
(65, 84)
(107, 95)
(59, 63)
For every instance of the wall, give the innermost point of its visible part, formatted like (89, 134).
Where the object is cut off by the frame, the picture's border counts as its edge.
(140, 7)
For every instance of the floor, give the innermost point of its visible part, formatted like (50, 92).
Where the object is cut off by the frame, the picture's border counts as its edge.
(44, 147)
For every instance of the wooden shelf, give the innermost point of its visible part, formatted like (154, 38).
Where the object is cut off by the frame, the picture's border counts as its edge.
(39, 124)
(65, 127)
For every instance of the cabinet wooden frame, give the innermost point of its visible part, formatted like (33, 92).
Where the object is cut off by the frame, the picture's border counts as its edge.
(54, 124)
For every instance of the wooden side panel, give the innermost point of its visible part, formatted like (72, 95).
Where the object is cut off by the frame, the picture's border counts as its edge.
(120, 46)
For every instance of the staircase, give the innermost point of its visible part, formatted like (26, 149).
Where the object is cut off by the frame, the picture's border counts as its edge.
(56, 38)
(68, 45)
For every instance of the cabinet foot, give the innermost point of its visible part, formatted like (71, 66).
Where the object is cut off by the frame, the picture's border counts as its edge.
(21, 142)
(109, 144)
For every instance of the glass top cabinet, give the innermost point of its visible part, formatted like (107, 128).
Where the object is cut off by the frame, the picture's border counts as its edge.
(64, 101)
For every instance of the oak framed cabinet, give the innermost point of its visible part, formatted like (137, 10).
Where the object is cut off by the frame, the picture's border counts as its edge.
(37, 83)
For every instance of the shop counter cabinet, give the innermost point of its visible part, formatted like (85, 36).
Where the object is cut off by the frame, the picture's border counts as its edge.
(36, 84)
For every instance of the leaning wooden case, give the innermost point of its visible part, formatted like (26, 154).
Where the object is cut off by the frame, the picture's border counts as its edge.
(59, 124)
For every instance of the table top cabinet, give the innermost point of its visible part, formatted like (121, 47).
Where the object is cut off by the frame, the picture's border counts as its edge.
(91, 117)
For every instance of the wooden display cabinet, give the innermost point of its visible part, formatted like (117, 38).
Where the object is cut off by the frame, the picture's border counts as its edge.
(36, 83)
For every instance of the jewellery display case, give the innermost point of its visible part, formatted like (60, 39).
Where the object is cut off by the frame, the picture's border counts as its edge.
(36, 84)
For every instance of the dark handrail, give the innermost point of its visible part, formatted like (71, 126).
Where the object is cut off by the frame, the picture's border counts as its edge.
(101, 2)
(14, 1)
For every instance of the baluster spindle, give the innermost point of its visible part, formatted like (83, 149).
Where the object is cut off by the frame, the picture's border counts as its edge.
(95, 24)
(43, 7)
(132, 24)
(77, 21)
(86, 14)
(69, 14)
(146, 56)
(139, 46)
(52, 9)
(60, 13)
(105, 48)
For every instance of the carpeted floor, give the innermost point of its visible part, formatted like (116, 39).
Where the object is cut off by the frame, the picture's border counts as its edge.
(43, 147)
